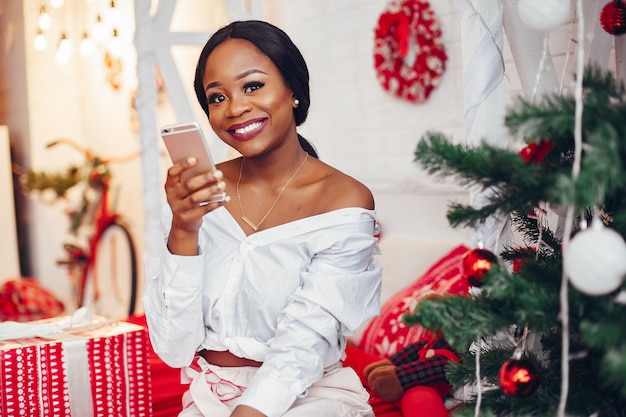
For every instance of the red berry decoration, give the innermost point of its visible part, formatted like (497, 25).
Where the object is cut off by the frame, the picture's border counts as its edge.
(613, 18)
(476, 263)
(534, 152)
(525, 254)
(519, 377)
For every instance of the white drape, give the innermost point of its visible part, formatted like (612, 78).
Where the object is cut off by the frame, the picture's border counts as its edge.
(483, 72)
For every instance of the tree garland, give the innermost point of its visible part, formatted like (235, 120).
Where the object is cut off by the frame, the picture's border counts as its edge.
(403, 24)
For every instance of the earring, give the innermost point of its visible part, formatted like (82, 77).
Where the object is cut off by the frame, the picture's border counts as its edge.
(296, 102)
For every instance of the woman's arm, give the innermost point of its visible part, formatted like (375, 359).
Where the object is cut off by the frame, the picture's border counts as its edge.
(173, 289)
(172, 300)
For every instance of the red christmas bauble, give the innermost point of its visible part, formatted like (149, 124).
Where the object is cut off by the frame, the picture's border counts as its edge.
(519, 377)
(476, 263)
(613, 18)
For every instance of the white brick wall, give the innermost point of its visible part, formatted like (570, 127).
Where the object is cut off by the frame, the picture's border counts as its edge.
(355, 124)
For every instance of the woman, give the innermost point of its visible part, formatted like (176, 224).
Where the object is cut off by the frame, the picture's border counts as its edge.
(255, 296)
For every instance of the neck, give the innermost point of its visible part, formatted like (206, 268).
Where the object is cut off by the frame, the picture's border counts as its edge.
(245, 218)
(270, 169)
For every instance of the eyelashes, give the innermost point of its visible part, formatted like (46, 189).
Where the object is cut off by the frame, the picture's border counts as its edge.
(215, 98)
(252, 86)
(248, 88)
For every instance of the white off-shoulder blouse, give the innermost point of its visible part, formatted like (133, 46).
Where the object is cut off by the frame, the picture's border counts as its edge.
(286, 296)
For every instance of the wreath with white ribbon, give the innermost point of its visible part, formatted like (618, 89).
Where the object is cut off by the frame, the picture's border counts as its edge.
(404, 28)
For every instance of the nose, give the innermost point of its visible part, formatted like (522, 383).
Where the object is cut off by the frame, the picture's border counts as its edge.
(237, 106)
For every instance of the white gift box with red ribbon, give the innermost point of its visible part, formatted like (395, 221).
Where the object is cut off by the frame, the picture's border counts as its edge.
(99, 369)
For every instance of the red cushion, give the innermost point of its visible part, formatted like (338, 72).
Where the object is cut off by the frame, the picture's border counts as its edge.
(25, 299)
(387, 333)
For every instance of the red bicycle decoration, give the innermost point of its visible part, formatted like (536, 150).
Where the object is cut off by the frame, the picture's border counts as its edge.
(100, 252)
(409, 26)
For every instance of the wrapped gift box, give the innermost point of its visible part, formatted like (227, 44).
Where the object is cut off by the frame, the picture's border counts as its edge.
(100, 369)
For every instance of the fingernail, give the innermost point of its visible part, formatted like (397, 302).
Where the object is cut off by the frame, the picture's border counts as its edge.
(191, 160)
(221, 185)
(227, 198)
(217, 174)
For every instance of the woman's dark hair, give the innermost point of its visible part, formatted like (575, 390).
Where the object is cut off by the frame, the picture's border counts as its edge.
(279, 48)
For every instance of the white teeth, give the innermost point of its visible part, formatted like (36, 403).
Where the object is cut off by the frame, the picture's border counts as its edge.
(249, 128)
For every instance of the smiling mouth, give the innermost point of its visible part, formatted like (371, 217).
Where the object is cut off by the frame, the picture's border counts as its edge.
(248, 129)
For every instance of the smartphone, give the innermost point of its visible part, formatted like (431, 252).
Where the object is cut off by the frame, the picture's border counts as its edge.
(187, 139)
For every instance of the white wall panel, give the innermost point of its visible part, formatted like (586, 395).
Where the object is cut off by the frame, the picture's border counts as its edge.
(9, 260)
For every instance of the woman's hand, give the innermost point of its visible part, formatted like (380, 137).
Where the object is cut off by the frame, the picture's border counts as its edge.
(245, 411)
(188, 202)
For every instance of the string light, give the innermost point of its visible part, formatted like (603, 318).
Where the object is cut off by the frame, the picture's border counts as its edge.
(40, 42)
(99, 30)
(105, 31)
(115, 45)
(64, 50)
(113, 15)
(44, 21)
(87, 46)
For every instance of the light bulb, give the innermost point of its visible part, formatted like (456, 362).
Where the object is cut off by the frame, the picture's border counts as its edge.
(40, 42)
(56, 3)
(64, 50)
(86, 46)
(44, 21)
(115, 45)
(98, 33)
(113, 16)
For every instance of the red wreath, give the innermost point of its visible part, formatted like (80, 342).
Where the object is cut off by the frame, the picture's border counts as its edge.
(400, 23)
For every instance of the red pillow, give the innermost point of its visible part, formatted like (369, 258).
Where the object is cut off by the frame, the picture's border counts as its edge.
(25, 299)
(387, 333)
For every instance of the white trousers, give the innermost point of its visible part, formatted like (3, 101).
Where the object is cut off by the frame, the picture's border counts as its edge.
(214, 391)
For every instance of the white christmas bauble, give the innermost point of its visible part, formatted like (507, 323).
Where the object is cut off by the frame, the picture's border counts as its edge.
(544, 15)
(595, 260)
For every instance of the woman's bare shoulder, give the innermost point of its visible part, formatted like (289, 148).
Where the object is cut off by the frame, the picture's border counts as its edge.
(337, 190)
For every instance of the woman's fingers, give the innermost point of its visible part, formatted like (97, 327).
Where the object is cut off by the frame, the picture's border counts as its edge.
(204, 180)
(209, 193)
(196, 197)
(200, 189)
(173, 173)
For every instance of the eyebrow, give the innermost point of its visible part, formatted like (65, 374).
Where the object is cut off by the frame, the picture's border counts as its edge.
(238, 77)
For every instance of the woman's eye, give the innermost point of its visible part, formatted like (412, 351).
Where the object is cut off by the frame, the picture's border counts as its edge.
(216, 98)
(252, 86)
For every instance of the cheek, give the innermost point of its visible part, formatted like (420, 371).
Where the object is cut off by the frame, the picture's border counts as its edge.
(271, 102)
(214, 122)
(215, 115)
(281, 105)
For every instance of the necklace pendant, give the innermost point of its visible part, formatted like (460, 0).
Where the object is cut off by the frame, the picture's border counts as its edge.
(249, 222)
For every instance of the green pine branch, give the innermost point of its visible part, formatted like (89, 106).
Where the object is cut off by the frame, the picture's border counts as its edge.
(512, 181)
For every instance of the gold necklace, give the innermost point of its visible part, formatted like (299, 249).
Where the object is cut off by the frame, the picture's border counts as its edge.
(243, 216)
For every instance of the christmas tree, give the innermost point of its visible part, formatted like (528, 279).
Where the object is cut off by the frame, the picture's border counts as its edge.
(557, 290)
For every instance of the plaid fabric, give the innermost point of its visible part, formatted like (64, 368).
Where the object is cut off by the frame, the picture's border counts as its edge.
(413, 368)
(24, 299)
